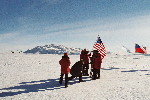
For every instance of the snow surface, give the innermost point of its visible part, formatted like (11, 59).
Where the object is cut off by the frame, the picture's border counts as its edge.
(36, 76)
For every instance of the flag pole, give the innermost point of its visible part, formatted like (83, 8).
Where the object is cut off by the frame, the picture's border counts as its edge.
(93, 46)
(135, 47)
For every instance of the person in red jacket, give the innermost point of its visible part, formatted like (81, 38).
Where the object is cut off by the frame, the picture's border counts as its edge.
(85, 56)
(96, 64)
(65, 63)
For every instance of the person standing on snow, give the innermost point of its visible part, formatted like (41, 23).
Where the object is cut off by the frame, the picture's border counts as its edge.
(96, 64)
(65, 63)
(85, 56)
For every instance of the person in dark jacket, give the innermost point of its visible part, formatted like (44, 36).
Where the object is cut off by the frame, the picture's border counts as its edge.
(65, 63)
(76, 70)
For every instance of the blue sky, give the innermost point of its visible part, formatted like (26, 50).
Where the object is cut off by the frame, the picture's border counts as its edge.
(74, 23)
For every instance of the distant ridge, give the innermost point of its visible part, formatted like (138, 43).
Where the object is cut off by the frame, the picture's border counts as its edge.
(54, 49)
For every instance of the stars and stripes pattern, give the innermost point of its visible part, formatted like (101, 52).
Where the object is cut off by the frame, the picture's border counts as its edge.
(100, 47)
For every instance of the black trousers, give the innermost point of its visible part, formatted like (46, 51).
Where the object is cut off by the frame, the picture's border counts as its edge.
(66, 79)
(72, 77)
(85, 69)
(96, 73)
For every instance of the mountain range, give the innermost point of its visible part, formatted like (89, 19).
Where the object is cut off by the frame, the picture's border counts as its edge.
(54, 49)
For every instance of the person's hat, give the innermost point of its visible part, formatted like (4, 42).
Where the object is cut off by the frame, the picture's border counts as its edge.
(96, 51)
(66, 54)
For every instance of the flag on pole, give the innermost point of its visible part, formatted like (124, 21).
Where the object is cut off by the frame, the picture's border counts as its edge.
(126, 49)
(100, 47)
(140, 49)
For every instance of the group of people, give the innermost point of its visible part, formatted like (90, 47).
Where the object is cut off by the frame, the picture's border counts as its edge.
(81, 67)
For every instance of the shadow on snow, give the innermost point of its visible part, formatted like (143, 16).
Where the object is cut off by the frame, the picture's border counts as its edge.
(111, 68)
(134, 70)
(35, 86)
(147, 74)
(142, 54)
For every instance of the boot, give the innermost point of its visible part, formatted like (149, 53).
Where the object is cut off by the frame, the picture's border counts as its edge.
(70, 78)
(80, 78)
(98, 74)
(66, 86)
(94, 74)
(81, 81)
(98, 78)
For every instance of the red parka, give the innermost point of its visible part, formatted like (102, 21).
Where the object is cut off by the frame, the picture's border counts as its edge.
(96, 61)
(65, 63)
(85, 58)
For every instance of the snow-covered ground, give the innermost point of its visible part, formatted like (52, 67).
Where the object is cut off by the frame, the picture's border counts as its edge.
(36, 76)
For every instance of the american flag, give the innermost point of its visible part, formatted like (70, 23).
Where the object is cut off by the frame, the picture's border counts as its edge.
(100, 47)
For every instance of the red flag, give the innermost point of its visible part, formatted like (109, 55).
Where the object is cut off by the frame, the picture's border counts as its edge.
(100, 47)
(140, 49)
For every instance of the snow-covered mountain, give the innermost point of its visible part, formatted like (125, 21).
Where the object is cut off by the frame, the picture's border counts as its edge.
(54, 49)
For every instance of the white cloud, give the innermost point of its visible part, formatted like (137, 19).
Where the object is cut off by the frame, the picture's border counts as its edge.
(139, 25)
(8, 36)
(114, 33)
(52, 1)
